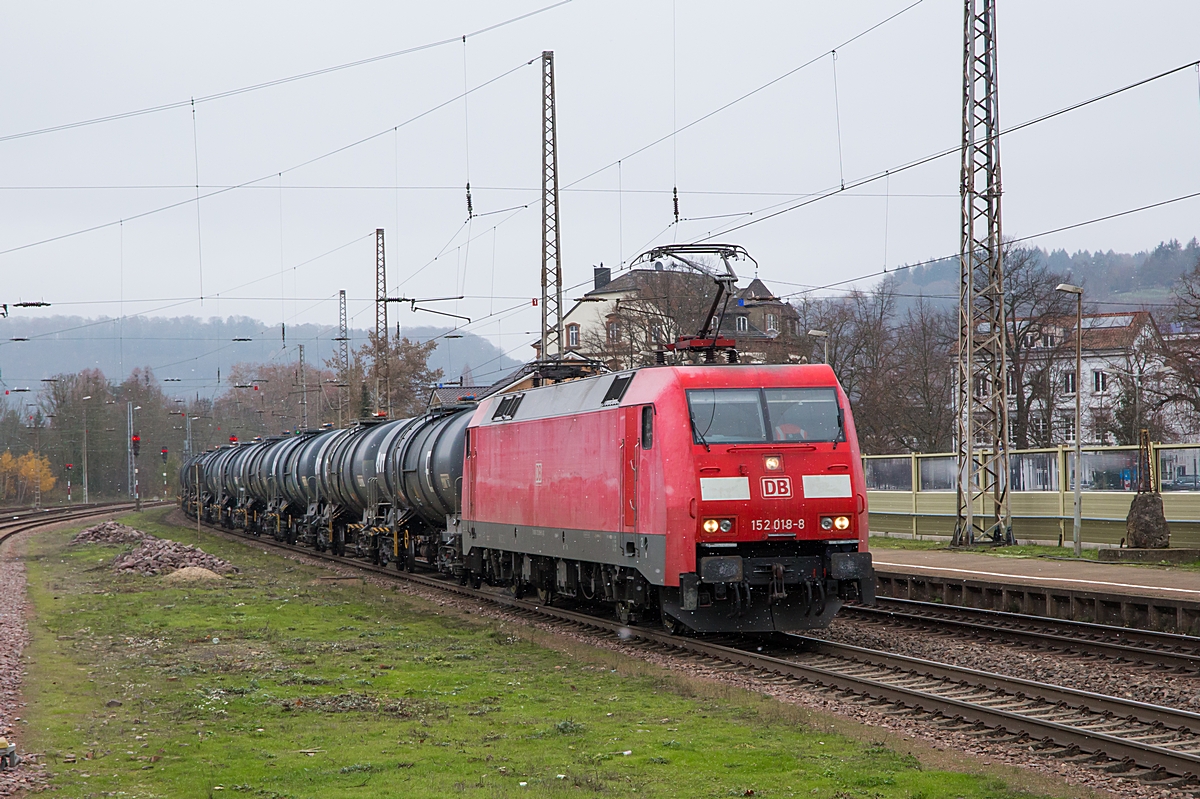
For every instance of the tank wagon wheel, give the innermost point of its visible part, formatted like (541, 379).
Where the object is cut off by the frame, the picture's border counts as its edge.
(627, 612)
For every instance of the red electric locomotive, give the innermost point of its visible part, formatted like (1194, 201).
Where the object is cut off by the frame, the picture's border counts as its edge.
(728, 498)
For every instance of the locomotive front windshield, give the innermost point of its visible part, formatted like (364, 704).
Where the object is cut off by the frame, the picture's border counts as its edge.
(762, 416)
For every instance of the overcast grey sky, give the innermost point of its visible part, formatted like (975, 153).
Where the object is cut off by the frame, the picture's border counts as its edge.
(628, 73)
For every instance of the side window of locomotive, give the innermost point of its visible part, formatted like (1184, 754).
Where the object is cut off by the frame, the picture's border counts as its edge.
(727, 416)
(647, 426)
(804, 414)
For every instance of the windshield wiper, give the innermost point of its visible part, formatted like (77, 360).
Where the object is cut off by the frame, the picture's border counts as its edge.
(696, 432)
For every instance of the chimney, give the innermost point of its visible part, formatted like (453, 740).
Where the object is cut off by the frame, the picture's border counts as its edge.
(602, 275)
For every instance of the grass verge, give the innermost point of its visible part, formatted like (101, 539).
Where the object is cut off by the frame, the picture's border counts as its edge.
(278, 683)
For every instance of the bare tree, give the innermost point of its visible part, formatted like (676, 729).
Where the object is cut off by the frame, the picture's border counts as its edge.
(1040, 322)
(924, 351)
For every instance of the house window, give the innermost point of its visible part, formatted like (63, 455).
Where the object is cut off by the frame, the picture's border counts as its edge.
(1037, 426)
(743, 324)
(613, 330)
(981, 386)
(656, 333)
(1099, 381)
(572, 336)
(1067, 423)
(1068, 383)
(772, 323)
(1010, 383)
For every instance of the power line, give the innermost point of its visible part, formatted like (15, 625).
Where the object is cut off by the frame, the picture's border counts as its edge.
(748, 94)
(300, 165)
(835, 190)
(1052, 231)
(278, 81)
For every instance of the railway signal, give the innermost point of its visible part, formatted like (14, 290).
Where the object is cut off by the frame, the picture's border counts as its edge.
(136, 442)
(164, 454)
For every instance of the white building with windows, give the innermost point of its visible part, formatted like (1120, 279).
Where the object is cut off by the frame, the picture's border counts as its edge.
(1121, 362)
(601, 325)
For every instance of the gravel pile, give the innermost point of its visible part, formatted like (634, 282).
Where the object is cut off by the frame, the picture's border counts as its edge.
(109, 533)
(159, 556)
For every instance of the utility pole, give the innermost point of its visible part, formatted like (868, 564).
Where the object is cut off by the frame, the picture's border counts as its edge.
(383, 390)
(343, 340)
(981, 379)
(551, 256)
(303, 392)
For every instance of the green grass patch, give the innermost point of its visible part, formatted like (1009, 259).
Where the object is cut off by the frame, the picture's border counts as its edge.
(272, 683)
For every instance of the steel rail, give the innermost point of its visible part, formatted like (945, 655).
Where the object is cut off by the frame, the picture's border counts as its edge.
(1120, 643)
(1122, 729)
(42, 518)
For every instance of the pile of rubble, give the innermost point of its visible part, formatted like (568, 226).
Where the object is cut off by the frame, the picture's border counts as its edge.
(109, 533)
(159, 556)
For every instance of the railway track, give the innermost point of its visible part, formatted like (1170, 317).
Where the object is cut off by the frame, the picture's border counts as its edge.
(1121, 644)
(27, 519)
(1157, 745)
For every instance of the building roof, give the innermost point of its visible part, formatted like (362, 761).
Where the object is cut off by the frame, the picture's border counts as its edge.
(1112, 331)
(449, 395)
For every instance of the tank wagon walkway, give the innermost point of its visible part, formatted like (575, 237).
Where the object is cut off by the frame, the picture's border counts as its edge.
(1134, 596)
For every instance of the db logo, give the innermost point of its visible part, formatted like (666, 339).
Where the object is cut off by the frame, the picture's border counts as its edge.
(777, 488)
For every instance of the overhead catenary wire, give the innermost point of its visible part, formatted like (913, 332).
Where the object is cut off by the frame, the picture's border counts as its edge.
(1052, 231)
(280, 81)
(244, 184)
(748, 94)
(871, 178)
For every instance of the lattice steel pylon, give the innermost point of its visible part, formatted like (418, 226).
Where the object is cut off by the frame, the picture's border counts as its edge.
(383, 382)
(981, 404)
(551, 255)
(343, 355)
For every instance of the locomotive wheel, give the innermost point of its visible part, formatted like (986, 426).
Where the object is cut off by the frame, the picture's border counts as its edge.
(476, 580)
(518, 589)
(545, 595)
(627, 612)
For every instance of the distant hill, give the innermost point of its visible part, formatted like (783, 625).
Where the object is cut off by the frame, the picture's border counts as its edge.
(1111, 278)
(193, 350)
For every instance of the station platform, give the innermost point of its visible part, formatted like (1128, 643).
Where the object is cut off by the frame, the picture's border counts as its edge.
(1146, 597)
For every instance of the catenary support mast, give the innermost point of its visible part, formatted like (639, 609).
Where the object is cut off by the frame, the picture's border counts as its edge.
(981, 405)
(551, 257)
(383, 392)
(343, 353)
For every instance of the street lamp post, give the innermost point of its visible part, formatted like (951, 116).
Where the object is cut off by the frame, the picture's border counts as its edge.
(85, 482)
(822, 334)
(1078, 292)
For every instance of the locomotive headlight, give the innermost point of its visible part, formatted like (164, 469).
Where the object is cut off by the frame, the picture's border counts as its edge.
(826, 522)
(711, 525)
(842, 522)
(773, 463)
(726, 525)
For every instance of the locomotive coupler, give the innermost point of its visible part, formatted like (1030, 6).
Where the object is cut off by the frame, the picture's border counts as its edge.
(776, 590)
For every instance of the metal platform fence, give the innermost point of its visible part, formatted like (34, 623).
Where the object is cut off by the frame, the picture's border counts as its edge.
(913, 495)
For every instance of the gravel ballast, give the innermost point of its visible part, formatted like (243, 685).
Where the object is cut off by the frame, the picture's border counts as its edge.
(14, 635)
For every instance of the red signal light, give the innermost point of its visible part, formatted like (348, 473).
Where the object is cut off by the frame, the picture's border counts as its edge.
(233, 439)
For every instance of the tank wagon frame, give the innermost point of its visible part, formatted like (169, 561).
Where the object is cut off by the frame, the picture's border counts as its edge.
(717, 497)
